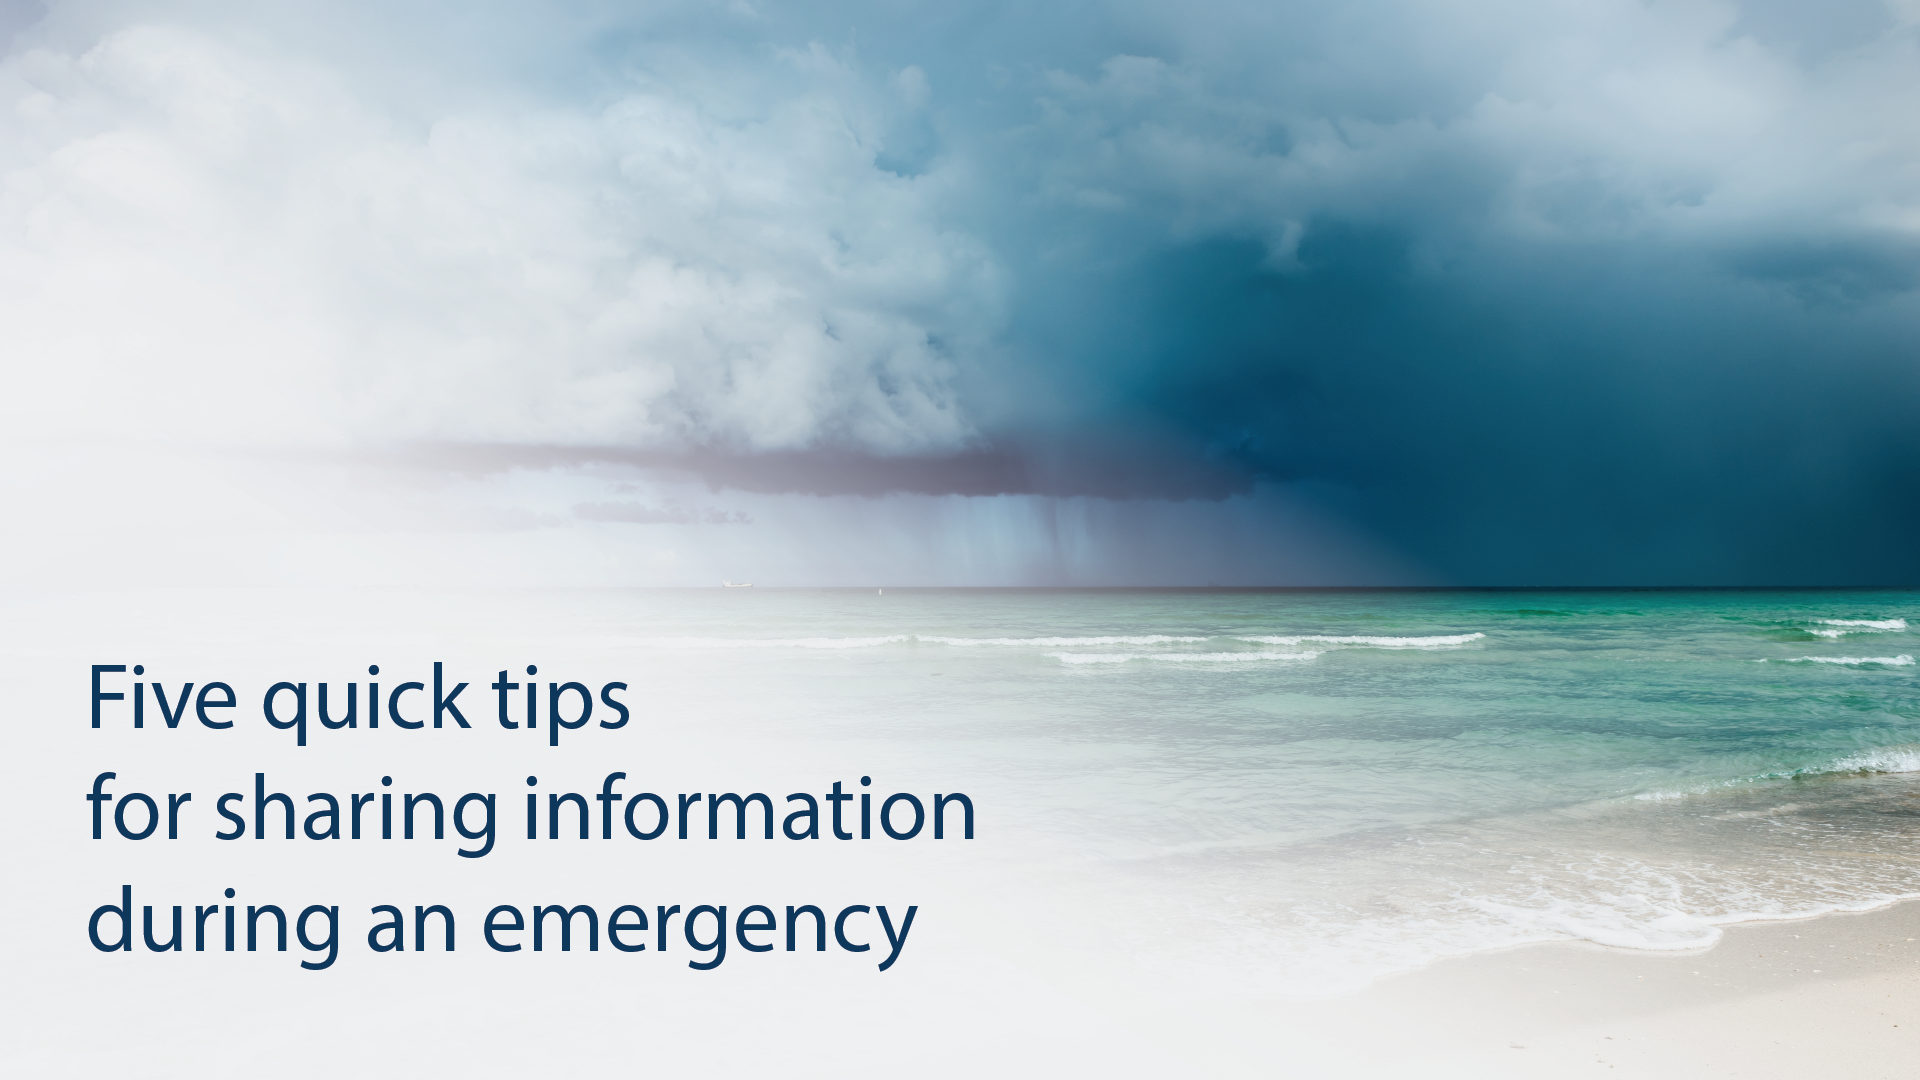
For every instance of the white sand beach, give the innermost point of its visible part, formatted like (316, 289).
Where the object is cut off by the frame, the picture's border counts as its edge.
(1834, 996)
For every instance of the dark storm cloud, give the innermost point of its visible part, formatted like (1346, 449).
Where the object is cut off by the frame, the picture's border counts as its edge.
(1529, 333)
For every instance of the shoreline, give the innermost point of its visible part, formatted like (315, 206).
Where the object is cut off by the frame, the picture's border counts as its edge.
(1830, 995)
(1835, 994)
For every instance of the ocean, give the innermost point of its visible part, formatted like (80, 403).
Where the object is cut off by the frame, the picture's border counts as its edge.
(1298, 792)
(1308, 790)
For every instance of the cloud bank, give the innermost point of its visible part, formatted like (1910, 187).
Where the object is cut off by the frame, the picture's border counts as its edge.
(1582, 291)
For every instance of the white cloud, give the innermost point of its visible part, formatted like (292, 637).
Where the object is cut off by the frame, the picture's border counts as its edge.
(1591, 121)
(201, 241)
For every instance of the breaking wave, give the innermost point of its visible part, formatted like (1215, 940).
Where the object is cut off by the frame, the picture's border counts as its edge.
(1903, 660)
(1183, 658)
(1891, 759)
(1885, 759)
(1437, 642)
(1857, 626)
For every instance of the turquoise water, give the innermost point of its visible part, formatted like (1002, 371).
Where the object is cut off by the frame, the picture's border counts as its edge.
(1328, 787)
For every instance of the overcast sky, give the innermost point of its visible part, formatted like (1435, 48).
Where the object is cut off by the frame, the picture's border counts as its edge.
(1095, 293)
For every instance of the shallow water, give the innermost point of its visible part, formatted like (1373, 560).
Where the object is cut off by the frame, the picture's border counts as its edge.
(1333, 786)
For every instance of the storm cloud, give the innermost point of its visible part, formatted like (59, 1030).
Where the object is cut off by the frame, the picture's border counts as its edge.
(1580, 292)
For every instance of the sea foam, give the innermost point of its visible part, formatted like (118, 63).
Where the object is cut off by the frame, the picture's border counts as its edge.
(1902, 660)
(1184, 658)
(1858, 626)
(1885, 759)
(1437, 642)
(1893, 759)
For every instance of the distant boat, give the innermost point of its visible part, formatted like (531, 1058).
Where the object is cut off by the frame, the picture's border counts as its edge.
(736, 584)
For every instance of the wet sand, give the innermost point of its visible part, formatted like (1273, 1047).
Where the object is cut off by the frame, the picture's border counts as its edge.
(1834, 996)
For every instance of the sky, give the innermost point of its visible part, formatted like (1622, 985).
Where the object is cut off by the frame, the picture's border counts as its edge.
(1368, 293)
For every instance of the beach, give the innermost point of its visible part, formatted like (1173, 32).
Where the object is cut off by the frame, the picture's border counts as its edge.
(1838, 995)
